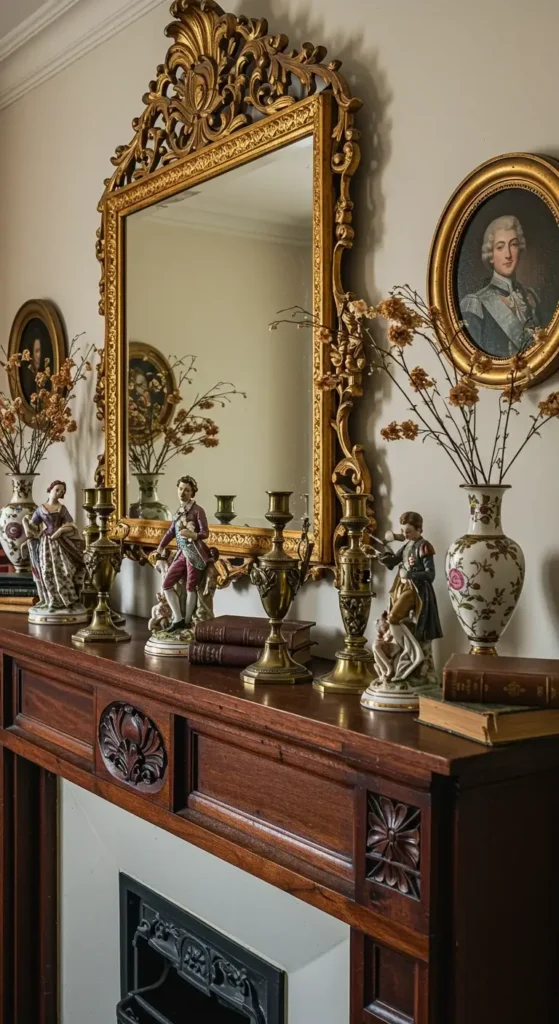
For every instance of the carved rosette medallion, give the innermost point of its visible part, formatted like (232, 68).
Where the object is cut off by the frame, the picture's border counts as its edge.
(132, 747)
(393, 845)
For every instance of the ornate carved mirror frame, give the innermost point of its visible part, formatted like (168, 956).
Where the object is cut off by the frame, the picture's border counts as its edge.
(227, 93)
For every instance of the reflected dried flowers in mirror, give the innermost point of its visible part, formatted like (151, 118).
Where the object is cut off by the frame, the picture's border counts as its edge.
(153, 442)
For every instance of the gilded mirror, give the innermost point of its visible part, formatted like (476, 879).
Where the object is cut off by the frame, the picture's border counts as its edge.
(230, 204)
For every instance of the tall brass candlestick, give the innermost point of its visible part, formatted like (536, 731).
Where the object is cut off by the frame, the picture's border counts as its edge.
(278, 578)
(91, 533)
(103, 559)
(354, 668)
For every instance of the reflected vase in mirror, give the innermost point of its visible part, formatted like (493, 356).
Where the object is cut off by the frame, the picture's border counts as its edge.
(225, 513)
(278, 578)
(148, 505)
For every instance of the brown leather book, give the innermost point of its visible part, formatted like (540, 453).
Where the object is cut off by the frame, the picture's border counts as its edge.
(484, 679)
(489, 724)
(235, 655)
(249, 631)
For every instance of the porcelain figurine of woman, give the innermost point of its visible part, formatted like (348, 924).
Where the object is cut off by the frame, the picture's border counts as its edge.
(56, 554)
(403, 646)
(189, 579)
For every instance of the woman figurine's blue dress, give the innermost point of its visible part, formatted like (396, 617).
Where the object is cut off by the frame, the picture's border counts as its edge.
(56, 555)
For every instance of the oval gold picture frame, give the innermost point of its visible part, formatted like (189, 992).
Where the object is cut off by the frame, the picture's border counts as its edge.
(46, 312)
(150, 354)
(536, 174)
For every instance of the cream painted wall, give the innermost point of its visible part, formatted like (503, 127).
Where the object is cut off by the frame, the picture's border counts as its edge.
(443, 91)
(441, 95)
(182, 289)
(445, 87)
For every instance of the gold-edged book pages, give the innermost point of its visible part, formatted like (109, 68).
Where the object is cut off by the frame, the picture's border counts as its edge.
(490, 724)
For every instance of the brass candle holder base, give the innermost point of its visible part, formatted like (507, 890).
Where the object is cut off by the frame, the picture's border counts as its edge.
(349, 675)
(275, 664)
(278, 578)
(101, 629)
(103, 558)
(355, 669)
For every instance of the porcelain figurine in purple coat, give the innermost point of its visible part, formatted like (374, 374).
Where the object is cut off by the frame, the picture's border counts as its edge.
(56, 555)
(189, 577)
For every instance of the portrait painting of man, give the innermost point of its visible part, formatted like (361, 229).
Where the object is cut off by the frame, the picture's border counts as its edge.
(36, 340)
(507, 272)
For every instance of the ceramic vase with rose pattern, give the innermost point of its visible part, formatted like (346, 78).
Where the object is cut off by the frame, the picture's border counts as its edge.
(484, 571)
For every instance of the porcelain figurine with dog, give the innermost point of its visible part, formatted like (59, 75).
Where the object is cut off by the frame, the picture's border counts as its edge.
(402, 648)
(189, 576)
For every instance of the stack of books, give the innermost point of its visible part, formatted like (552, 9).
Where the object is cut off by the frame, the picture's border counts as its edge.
(495, 700)
(17, 592)
(239, 640)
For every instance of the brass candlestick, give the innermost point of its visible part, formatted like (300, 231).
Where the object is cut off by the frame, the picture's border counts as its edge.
(103, 559)
(278, 578)
(91, 533)
(225, 513)
(354, 668)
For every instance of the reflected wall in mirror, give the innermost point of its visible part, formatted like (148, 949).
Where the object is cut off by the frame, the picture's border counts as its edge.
(212, 392)
(230, 202)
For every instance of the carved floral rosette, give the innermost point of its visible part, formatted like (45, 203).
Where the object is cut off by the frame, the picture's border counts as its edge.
(393, 845)
(484, 571)
(132, 747)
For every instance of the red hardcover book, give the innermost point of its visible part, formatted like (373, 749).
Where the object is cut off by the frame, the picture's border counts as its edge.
(235, 654)
(249, 631)
(484, 679)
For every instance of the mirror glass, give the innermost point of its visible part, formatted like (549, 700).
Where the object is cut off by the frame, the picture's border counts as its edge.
(213, 393)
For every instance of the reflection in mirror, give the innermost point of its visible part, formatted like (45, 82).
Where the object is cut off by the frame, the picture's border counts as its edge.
(212, 392)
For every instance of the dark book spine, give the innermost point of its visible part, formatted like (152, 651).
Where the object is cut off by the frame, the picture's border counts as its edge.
(222, 654)
(536, 691)
(240, 636)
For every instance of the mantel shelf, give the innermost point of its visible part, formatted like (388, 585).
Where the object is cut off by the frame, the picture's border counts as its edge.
(370, 817)
(329, 721)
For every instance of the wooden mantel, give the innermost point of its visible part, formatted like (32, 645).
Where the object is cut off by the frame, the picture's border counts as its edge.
(438, 853)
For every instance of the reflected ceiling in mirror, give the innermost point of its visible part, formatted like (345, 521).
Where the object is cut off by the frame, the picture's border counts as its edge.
(212, 392)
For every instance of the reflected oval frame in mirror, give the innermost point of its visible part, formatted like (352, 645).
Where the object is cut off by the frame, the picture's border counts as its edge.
(228, 93)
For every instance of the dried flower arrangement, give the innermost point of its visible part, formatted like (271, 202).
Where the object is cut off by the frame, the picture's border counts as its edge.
(23, 445)
(154, 442)
(446, 415)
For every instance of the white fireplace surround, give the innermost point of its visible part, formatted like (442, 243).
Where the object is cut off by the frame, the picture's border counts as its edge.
(98, 840)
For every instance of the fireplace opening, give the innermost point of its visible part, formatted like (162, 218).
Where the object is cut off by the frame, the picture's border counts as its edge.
(175, 968)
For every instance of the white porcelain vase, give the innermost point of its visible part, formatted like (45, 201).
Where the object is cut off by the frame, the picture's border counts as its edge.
(484, 571)
(12, 534)
(148, 505)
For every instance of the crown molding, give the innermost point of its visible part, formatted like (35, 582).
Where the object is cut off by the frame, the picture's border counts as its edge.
(57, 35)
(31, 26)
(240, 227)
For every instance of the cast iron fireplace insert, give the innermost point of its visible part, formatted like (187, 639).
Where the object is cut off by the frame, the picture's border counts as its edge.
(175, 969)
